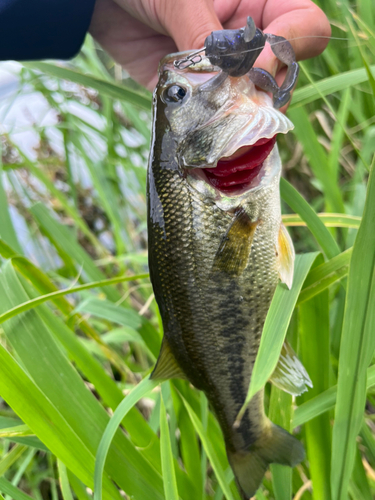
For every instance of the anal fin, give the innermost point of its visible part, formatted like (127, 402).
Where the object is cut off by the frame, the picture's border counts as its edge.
(233, 253)
(290, 375)
(166, 366)
(285, 256)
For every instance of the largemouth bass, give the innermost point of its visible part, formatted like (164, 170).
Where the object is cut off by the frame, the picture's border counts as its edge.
(217, 249)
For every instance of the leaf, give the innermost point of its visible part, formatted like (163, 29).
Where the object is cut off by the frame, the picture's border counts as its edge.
(7, 488)
(323, 276)
(326, 86)
(275, 327)
(64, 481)
(280, 413)
(107, 310)
(323, 402)
(109, 89)
(190, 452)
(42, 417)
(30, 304)
(7, 231)
(329, 220)
(356, 349)
(315, 356)
(317, 158)
(144, 387)
(62, 392)
(219, 472)
(16, 431)
(297, 203)
(10, 458)
(169, 478)
(65, 241)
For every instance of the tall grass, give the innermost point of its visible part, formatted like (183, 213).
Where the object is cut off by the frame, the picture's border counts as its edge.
(79, 328)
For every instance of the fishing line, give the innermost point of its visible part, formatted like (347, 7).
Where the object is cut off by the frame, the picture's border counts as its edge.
(195, 57)
(282, 41)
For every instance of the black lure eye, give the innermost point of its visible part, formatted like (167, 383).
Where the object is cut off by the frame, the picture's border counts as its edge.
(175, 93)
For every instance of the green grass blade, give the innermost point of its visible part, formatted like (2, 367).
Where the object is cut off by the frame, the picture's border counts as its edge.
(16, 431)
(329, 220)
(356, 349)
(41, 417)
(169, 478)
(204, 419)
(276, 326)
(326, 86)
(58, 381)
(71, 210)
(78, 487)
(7, 231)
(359, 478)
(11, 457)
(280, 413)
(323, 276)
(315, 356)
(64, 481)
(109, 89)
(42, 283)
(339, 134)
(297, 203)
(131, 399)
(22, 468)
(317, 158)
(32, 303)
(69, 249)
(212, 456)
(190, 451)
(15, 493)
(365, 62)
(105, 309)
(323, 402)
(368, 441)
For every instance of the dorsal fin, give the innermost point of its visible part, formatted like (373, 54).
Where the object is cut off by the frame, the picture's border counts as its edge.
(166, 366)
(233, 253)
(285, 256)
(290, 375)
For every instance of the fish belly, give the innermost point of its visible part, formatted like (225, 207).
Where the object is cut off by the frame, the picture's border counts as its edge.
(212, 320)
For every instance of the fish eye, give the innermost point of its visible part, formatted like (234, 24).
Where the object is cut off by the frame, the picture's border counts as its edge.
(174, 93)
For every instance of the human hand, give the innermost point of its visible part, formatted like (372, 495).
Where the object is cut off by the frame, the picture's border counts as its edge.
(138, 33)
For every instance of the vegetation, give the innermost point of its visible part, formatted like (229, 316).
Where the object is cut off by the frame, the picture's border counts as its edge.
(79, 327)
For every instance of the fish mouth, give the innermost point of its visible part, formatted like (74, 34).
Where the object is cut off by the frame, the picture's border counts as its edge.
(241, 171)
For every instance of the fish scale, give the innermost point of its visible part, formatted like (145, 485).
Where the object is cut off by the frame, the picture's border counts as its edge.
(201, 319)
(215, 264)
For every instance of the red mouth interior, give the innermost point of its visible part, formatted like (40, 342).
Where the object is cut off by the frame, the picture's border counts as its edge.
(236, 172)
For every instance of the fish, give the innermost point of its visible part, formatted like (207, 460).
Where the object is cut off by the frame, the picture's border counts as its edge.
(217, 250)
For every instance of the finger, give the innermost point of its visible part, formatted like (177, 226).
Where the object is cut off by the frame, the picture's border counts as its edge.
(189, 23)
(301, 23)
(131, 43)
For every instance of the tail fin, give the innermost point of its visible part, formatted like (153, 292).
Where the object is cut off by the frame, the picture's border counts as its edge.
(275, 445)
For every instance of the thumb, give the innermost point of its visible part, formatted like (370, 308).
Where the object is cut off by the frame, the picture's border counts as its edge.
(190, 22)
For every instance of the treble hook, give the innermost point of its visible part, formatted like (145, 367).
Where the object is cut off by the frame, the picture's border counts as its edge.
(191, 60)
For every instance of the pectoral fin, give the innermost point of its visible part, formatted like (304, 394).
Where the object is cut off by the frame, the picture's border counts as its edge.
(233, 253)
(290, 375)
(286, 255)
(166, 366)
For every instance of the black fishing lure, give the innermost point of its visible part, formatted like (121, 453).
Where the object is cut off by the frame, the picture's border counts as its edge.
(235, 52)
